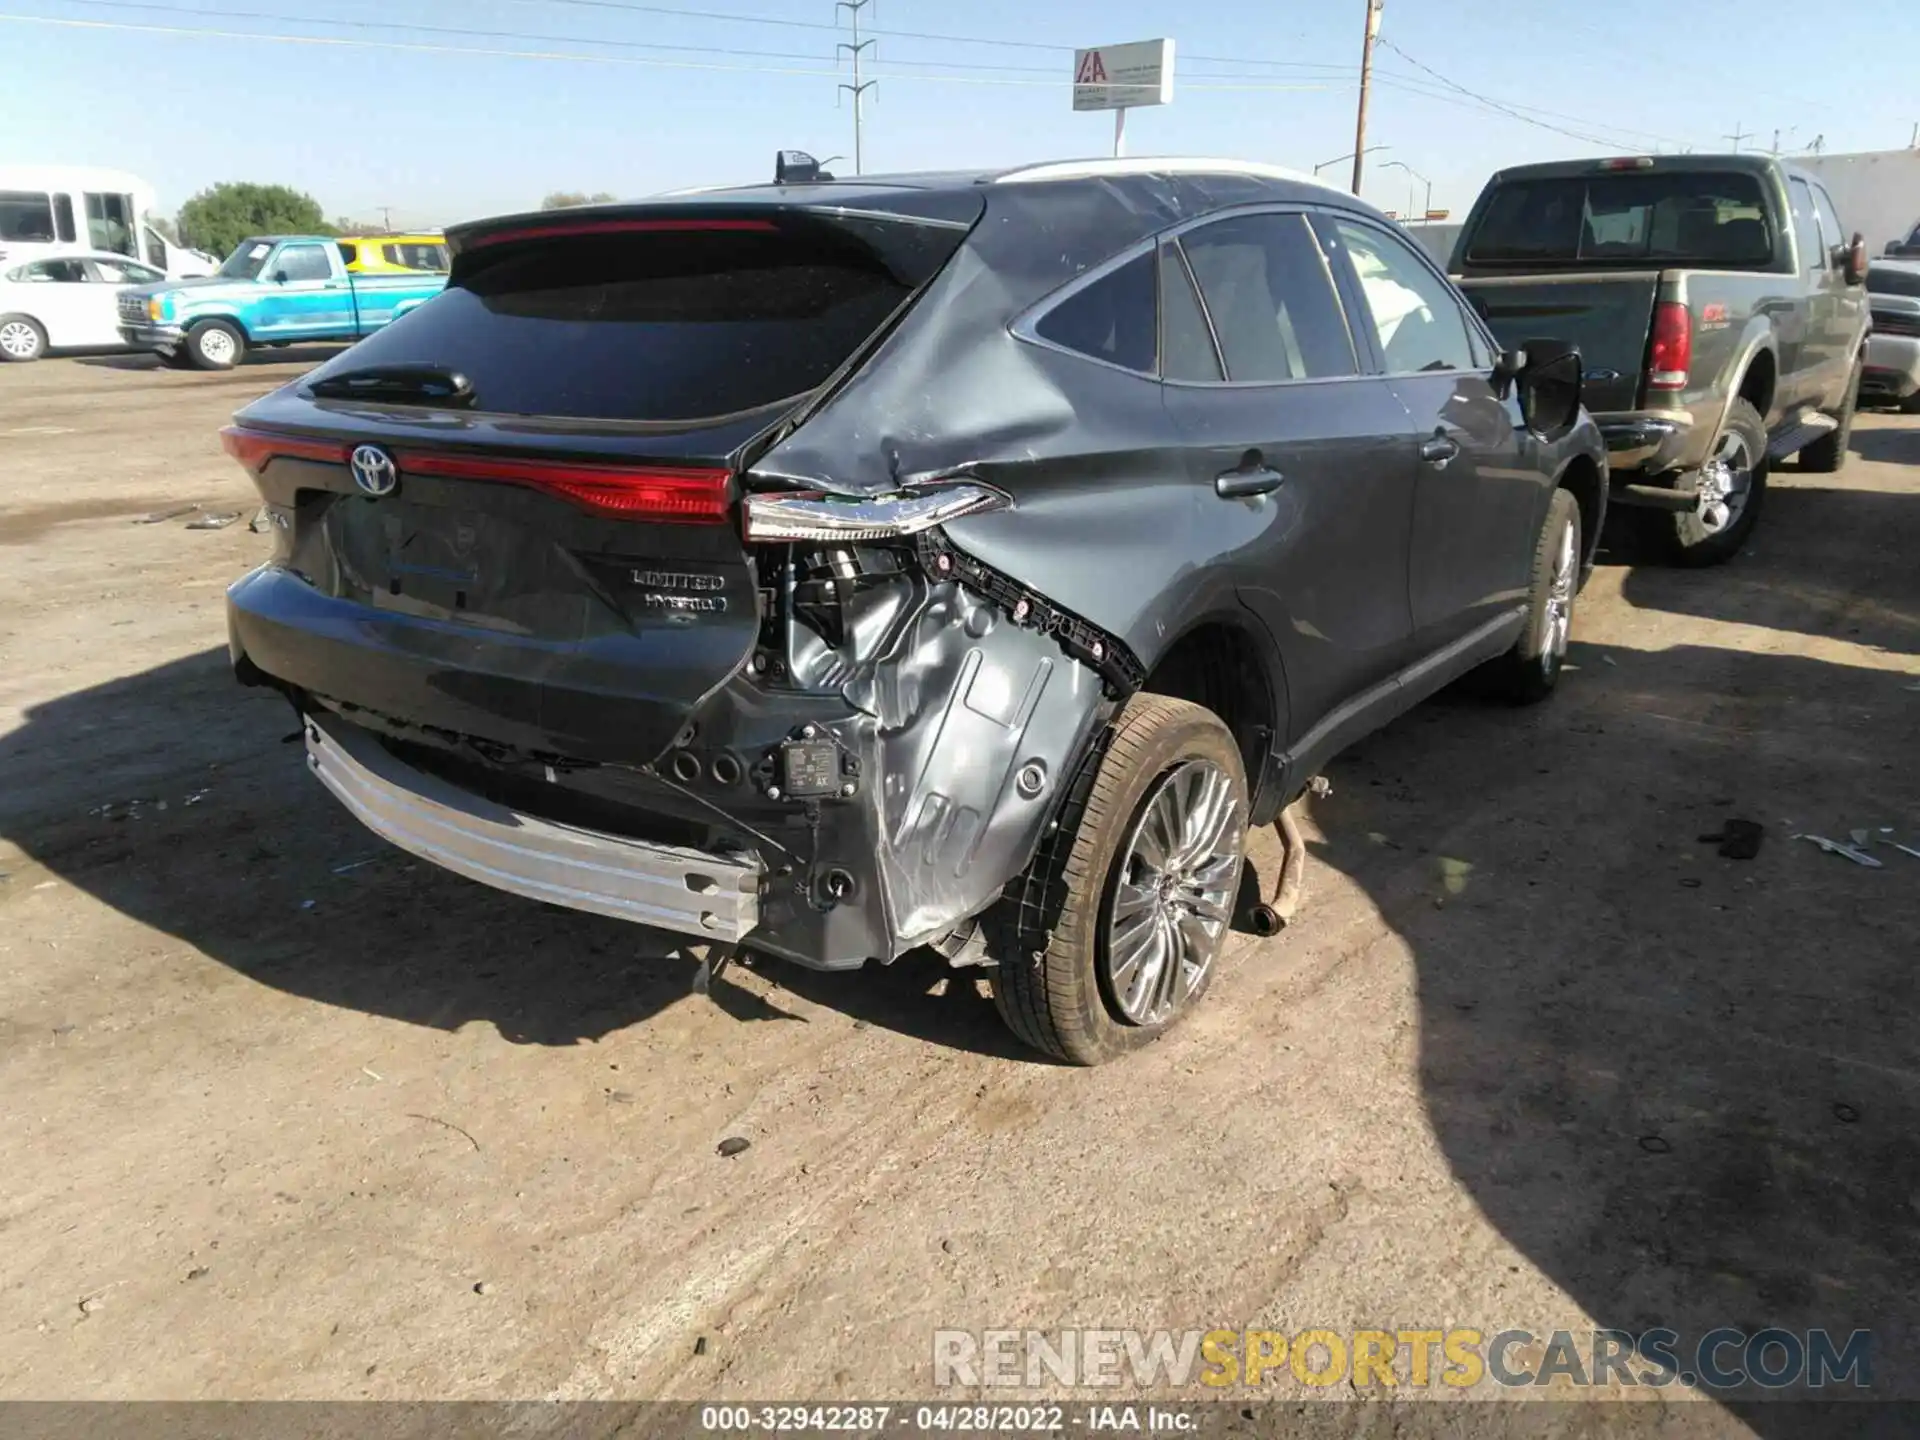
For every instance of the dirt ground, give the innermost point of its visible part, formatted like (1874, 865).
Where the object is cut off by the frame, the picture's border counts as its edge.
(289, 1115)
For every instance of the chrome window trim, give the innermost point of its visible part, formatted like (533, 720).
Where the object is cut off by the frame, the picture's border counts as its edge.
(1022, 326)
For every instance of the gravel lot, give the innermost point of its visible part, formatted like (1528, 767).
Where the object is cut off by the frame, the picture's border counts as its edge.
(289, 1115)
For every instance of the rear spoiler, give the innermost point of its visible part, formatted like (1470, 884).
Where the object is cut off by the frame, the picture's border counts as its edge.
(912, 233)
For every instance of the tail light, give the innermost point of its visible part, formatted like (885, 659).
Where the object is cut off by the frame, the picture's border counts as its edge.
(256, 449)
(670, 494)
(1672, 351)
(827, 520)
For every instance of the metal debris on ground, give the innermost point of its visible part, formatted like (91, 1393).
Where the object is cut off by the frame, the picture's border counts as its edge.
(261, 522)
(1905, 849)
(214, 522)
(159, 515)
(733, 1145)
(1834, 847)
(354, 865)
(1737, 839)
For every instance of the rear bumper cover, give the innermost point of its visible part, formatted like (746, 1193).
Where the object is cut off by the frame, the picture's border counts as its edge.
(672, 887)
(953, 731)
(1644, 442)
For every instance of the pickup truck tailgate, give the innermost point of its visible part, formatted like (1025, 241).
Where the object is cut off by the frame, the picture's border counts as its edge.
(1608, 315)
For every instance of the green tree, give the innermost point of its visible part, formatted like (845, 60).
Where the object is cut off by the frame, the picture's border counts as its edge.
(567, 199)
(220, 217)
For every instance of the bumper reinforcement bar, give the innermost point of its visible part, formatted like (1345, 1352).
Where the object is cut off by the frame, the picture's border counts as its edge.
(668, 886)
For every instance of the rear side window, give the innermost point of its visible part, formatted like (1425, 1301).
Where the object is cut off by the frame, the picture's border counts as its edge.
(1272, 301)
(416, 257)
(1113, 319)
(675, 326)
(25, 215)
(1709, 218)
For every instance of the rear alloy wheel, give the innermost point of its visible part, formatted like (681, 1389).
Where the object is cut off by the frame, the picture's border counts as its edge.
(21, 338)
(215, 345)
(1114, 932)
(1529, 672)
(1732, 485)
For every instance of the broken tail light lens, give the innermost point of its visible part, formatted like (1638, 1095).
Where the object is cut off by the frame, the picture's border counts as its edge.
(256, 449)
(844, 521)
(1671, 354)
(680, 495)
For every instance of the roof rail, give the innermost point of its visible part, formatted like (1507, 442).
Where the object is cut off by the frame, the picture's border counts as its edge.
(1154, 165)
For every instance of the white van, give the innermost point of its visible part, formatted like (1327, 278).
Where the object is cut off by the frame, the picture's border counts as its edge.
(48, 210)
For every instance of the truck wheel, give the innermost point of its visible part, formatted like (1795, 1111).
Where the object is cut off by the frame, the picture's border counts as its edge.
(1733, 485)
(1827, 454)
(1529, 672)
(215, 345)
(1114, 931)
(21, 338)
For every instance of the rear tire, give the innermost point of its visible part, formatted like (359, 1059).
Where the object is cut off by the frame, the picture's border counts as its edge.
(22, 339)
(1529, 673)
(1829, 453)
(1697, 540)
(1114, 932)
(215, 345)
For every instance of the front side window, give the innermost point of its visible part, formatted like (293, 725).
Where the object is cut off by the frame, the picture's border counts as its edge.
(1271, 299)
(303, 262)
(1829, 222)
(1115, 318)
(110, 223)
(1806, 228)
(1419, 324)
(26, 216)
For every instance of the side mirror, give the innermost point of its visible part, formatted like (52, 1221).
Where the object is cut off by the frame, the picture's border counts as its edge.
(1857, 260)
(280, 277)
(1550, 384)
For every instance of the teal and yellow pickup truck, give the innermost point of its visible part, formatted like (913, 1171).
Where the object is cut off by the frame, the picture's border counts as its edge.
(273, 290)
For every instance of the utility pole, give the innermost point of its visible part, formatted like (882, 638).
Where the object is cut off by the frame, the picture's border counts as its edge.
(386, 218)
(1738, 135)
(1366, 89)
(856, 48)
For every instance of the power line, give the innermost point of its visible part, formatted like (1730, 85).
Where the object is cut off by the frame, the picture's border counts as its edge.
(1499, 105)
(347, 42)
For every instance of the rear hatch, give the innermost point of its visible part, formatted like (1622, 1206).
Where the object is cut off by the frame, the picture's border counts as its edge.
(1608, 316)
(557, 563)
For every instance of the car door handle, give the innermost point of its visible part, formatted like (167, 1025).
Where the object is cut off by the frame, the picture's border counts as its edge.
(1439, 450)
(1246, 482)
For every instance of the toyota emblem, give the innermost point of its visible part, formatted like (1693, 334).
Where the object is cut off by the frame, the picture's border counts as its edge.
(373, 470)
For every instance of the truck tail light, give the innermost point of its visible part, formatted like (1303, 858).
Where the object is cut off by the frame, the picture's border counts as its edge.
(828, 520)
(1671, 356)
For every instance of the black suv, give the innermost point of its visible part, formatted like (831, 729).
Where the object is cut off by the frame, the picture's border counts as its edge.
(838, 568)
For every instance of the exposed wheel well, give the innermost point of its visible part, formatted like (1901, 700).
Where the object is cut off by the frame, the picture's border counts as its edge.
(1756, 386)
(1216, 665)
(1581, 479)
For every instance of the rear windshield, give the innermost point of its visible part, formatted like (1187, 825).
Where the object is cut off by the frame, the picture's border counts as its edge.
(668, 327)
(1704, 218)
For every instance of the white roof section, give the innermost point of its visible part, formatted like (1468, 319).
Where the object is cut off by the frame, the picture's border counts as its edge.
(1156, 165)
(69, 177)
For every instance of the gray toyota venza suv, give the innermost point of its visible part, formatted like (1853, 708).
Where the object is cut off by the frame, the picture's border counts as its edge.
(963, 560)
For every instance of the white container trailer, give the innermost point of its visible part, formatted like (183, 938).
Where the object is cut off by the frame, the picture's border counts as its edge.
(48, 210)
(1876, 192)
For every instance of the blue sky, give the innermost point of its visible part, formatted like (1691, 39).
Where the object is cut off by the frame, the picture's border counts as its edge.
(439, 136)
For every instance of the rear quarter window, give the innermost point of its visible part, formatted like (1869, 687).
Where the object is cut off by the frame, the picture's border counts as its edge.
(1115, 318)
